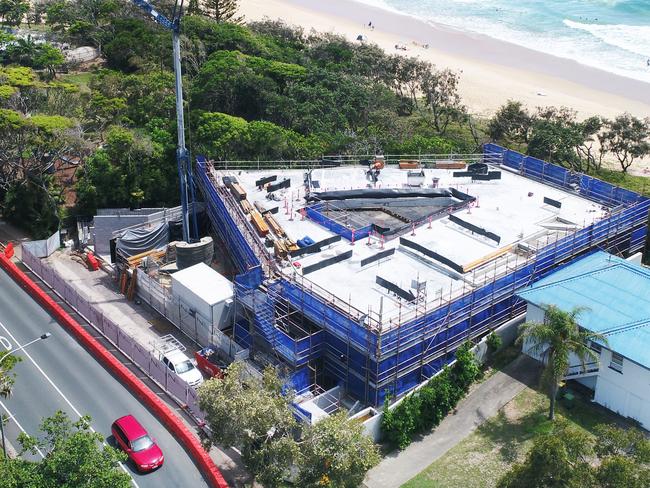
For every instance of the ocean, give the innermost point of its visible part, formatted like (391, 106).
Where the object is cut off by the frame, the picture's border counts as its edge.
(613, 35)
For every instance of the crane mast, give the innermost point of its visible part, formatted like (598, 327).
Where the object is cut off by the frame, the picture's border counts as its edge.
(182, 155)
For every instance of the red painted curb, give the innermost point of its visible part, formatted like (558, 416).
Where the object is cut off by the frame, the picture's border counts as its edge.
(165, 415)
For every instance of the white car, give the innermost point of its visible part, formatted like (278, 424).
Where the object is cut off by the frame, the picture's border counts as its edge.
(180, 364)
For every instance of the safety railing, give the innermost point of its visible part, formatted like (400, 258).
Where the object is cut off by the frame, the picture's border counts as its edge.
(346, 160)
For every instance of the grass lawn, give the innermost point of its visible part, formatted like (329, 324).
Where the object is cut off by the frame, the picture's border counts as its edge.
(481, 458)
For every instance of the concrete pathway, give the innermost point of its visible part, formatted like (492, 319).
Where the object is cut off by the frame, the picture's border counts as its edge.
(483, 402)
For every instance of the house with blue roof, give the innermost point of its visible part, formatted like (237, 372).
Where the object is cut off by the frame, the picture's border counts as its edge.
(615, 294)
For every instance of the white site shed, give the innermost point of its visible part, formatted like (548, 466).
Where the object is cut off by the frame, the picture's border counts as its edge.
(204, 292)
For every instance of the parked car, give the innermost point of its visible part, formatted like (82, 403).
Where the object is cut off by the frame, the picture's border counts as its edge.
(170, 351)
(134, 440)
(179, 363)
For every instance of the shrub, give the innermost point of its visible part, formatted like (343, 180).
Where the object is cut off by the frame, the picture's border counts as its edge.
(424, 409)
(494, 342)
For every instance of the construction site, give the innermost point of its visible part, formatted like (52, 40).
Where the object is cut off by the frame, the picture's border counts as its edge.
(363, 278)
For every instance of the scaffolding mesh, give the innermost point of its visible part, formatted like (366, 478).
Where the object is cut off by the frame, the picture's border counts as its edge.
(370, 355)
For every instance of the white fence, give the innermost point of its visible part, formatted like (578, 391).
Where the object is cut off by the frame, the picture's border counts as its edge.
(45, 247)
(141, 357)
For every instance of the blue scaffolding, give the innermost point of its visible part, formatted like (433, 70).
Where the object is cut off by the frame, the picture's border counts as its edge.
(323, 338)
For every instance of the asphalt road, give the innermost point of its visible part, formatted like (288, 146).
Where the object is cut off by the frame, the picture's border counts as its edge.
(59, 374)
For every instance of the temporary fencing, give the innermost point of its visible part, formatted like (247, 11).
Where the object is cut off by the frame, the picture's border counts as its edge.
(140, 355)
(175, 425)
(190, 322)
(372, 353)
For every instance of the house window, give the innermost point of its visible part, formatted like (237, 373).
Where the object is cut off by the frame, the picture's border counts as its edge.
(594, 346)
(617, 362)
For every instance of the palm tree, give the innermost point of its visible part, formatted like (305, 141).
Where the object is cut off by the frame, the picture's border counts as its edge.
(555, 340)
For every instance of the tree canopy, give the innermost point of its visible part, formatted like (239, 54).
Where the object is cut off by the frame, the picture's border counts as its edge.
(74, 458)
(255, 415)
(567, 457)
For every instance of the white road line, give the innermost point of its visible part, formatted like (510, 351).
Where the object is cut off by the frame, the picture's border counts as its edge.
(13, 417)
(24, 351)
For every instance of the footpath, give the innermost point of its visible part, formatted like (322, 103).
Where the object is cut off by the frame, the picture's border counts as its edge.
(483, 402)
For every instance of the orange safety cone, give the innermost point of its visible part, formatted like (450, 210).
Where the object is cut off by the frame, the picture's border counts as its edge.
(381, 242)
(413, 229)
(429, 222)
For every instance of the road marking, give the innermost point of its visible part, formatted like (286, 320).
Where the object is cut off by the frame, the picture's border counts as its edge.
(13, 417)
(24, 351)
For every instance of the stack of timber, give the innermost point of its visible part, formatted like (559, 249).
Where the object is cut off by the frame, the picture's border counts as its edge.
(282, 247)
(237, 191)
(409, 164)
(246, 206)
(275, 227)
(258, 222)
(135, 261)
(451, 164)
(481, 261)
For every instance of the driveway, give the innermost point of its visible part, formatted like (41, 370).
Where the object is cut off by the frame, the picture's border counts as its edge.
(483, 402)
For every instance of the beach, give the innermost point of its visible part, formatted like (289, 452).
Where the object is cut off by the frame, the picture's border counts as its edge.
(491, 71)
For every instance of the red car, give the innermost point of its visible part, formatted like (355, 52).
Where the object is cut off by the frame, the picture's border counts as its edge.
(134, 440)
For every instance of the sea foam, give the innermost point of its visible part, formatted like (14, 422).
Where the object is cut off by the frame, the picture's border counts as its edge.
(632, 38)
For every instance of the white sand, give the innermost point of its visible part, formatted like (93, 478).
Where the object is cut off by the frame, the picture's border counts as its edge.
(492, 71)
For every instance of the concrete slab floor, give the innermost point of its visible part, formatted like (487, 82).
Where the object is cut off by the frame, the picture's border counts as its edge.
(512, 207)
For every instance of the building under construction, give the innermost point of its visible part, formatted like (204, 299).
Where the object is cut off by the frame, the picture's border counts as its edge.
(369, 275)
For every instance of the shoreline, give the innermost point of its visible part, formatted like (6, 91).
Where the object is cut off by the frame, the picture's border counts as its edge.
(491, 71)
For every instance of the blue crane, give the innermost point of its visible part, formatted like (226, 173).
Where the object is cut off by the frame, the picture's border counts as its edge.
(182, 154)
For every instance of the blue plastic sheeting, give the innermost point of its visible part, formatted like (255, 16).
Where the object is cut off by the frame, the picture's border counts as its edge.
(313, 212)
(301, 414)
(300, 380)
(301, 351)
(251, 279)
(615, 294)
(328, 317)
(222, 222)
(589, 187)
(242, 337)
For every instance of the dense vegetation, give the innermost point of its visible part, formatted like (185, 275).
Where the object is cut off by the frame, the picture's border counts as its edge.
(255, 415)
(570, 458)
(424, 409)
(264, 91)
(260, 91)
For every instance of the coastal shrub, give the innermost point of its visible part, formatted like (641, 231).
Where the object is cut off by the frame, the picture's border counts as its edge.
(424, 410)
(493, 342)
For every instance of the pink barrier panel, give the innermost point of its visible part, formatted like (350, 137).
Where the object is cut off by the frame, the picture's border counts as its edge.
(148, 398)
